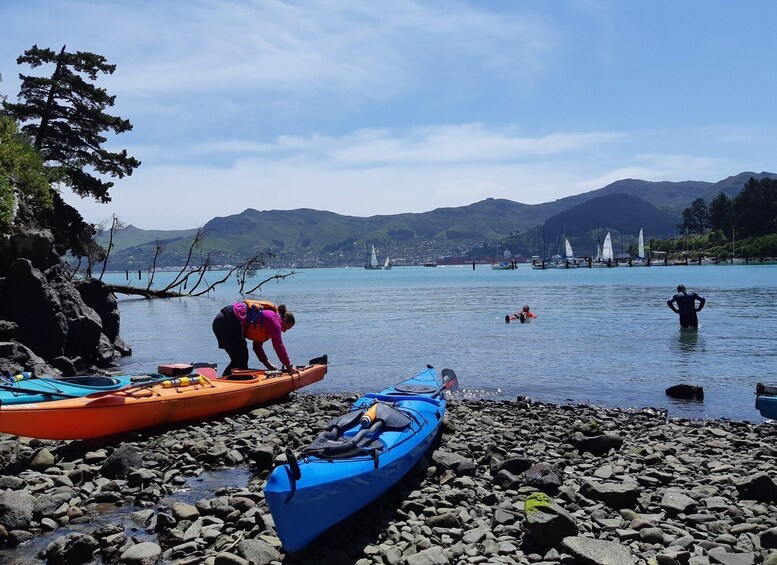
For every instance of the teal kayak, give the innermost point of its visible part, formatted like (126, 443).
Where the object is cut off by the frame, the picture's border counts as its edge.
(357, 458)
(27, 389)
(766, 400)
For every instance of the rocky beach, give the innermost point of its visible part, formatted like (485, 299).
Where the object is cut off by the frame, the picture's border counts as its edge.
(508, 482)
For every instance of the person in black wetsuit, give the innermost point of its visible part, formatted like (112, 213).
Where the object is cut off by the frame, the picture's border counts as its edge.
(686, 306)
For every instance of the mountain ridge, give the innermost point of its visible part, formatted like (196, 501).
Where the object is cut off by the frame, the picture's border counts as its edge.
(309, 237)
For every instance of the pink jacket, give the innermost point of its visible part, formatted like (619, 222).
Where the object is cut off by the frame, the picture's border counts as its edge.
(271, 323)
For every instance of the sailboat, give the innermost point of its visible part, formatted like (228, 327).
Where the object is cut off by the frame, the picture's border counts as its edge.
(607, 258)
(640, 259)
(373, 264)
(387, 265)
(501, 265)
(568, 261)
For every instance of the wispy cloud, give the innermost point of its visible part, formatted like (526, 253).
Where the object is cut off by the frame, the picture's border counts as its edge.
(461, 143)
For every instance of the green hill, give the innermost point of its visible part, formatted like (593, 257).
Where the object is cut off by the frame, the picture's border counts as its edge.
(306, 237)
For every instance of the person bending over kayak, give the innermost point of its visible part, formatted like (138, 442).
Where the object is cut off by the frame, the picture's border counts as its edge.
(525, 315)
(257, 321)
(686, 307)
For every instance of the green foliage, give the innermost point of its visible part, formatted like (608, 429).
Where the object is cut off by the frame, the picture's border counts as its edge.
(21, 169)
(755, 208)
(65, 115)
(721, 213)
(696, 218)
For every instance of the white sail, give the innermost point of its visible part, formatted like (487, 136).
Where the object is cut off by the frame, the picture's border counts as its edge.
(598, 252)
(607, 249)
(568, 249)
(641, 249)
(373, 259)
(387, 264)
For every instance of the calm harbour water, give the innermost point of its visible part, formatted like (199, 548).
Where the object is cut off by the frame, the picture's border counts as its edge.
(603, 336)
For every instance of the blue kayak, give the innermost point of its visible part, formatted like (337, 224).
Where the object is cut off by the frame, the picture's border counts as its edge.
(30, 390)
(766, 400)
(357, 458)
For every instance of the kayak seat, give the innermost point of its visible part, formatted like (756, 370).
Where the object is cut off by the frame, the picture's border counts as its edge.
(239, 377)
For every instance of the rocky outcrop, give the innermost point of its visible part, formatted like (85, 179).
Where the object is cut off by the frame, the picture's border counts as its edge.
(50, 324)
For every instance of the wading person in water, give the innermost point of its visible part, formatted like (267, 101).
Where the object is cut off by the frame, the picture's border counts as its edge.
(257, 321)
(686, 306)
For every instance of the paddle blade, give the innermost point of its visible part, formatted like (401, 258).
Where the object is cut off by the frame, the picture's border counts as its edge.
(450, 380)
(323, 360)
(207, 372)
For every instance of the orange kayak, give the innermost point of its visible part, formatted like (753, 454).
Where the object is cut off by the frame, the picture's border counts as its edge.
(133, 408)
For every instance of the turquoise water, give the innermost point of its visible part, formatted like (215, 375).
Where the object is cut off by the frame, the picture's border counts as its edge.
(603, 336)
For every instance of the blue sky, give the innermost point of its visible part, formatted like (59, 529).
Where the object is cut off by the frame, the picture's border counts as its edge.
(382, 107)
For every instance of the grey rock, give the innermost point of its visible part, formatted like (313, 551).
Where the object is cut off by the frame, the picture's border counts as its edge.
(431, 556)
(759, 487)
(72, 548)
(589, 551)
(732, 558)
(258, 552)
(226, 558)
(507, 480)
(547, 523)
(455, 462)
(614, 495)
(768, 538)
(515, 465)
(597, 445)
(121, 462)
(184, 511)
(42, 460)
(677, 503)
(544, 477)
(16, 508)
(673, 557)
(145, 553)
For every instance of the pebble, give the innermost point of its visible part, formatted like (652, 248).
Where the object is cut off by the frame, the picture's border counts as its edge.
(620, 487)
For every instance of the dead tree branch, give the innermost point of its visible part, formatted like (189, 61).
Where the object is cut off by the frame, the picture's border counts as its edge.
(278, 276)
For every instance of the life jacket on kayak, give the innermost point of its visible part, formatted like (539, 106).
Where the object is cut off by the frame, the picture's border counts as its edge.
(379, 417)
(255, 330)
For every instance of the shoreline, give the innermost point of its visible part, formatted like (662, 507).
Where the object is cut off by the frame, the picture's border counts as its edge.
(620, 486)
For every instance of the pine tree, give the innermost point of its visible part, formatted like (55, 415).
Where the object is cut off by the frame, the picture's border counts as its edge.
(65, 115)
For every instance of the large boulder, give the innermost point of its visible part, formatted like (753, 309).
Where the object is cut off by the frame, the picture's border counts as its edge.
(97, 296)
(15, 358)
(49, 324)
(28, 301)
(16, 509)
(546, 522)
(71, 549)
(35, 246)
(124, 459)
(84, 326)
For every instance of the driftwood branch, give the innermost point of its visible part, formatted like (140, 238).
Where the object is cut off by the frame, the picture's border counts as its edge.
(195, 243)
(218, 282)
(279, 276)
(145, 292)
